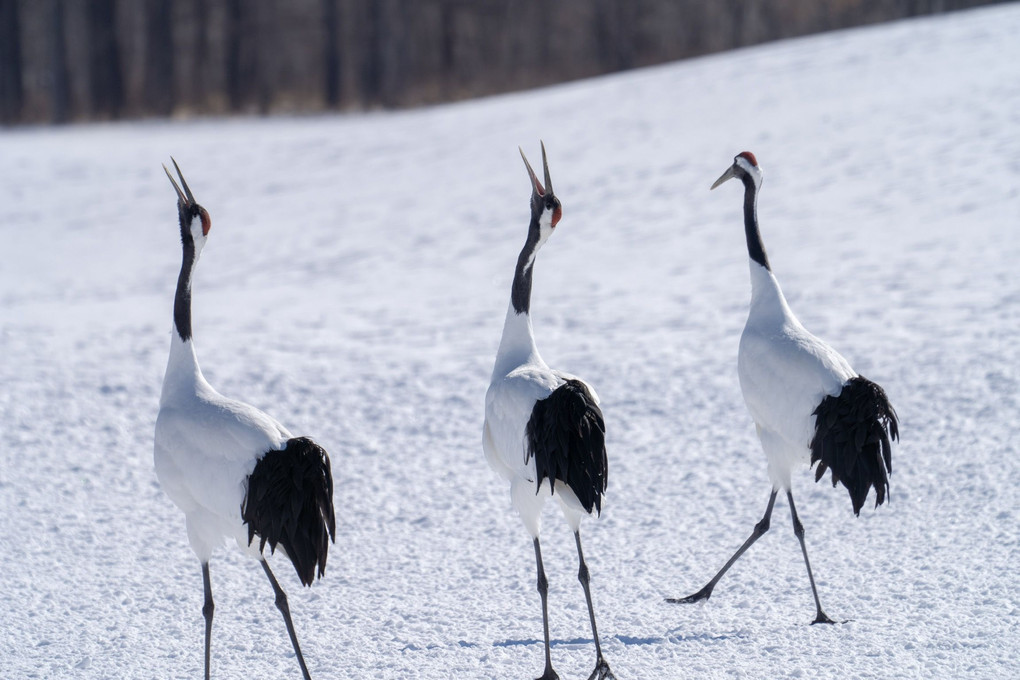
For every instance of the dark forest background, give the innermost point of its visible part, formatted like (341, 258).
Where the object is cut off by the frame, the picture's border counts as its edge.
(73, 60)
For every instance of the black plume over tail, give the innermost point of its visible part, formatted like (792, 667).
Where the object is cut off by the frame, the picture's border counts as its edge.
(289, 502)
(567, 436)
(852, 438)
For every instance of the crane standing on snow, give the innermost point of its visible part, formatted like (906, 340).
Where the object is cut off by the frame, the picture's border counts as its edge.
(542, 425)
(233, 470)
(805, 399)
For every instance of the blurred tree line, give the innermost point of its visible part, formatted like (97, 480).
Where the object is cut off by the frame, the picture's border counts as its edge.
(68, 60)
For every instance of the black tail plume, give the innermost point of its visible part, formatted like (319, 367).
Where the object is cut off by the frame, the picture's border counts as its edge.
(289, 502)
(567, 436)
(852, 438)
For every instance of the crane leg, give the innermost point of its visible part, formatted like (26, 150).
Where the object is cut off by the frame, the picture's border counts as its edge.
(281, 604)
(543, 590)
(798, 530)
(759, 530)
(207, 612)
(601, 671)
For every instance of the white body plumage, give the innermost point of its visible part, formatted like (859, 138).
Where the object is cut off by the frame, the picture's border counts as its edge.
(206, 445)
(520, 378)
(785, 372)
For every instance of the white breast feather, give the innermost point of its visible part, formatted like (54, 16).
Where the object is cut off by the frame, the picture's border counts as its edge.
(206, 447)
(508, 406)
(784, 372)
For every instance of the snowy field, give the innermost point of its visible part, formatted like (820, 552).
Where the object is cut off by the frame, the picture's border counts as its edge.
(355, 284)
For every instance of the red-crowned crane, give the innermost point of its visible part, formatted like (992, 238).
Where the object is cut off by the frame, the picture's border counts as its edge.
(544, 432)
(233, 470)
(809, 406)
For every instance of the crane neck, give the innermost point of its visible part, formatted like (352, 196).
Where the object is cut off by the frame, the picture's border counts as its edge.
(183, 373)
(755, 247)
(182, 298)
(517, 345)
(520, 293)
(768, 304)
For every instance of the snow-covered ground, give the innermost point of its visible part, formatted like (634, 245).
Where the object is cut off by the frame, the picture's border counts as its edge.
(355, 284)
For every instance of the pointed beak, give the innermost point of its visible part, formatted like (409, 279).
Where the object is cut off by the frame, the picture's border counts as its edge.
(185, 197)
(536, 185)
(545, 166)
(729, 174)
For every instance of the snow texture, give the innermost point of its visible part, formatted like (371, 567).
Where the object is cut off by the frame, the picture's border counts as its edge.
(355, 285)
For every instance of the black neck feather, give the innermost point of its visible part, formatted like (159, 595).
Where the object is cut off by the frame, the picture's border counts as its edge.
(182, 300)
(755, 247)
(520, 294)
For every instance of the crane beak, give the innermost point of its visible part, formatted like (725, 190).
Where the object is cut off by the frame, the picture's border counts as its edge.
(185, 197)
(536, 185)
(729, 174)
(545, 166)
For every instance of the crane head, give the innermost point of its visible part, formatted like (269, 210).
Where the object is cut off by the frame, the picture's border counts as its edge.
(745, 165)
(545, 207)
(188, 208)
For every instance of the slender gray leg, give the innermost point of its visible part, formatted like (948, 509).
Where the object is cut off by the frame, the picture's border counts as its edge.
(798, 529)
(543, 590)
(207, 612)
(601, 671)
(759, 530)
(281, 604)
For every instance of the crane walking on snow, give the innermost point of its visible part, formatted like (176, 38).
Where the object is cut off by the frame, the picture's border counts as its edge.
(233, 470)
(542, 425)
(807, 403)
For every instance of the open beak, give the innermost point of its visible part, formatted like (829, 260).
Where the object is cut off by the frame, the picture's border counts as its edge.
(534, 178)
(185, 197)
(545, 166)
(729, 174)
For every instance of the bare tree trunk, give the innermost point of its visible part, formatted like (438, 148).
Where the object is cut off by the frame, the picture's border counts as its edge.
(242, 68)
(334, 77)
(159, 57)
(197, 75)
(737, 10)
(60, 85)
(263, 32)
(106, 84)
(233, 41)
(397, 13)
(11, 90)
(614, 34)
(371, 54)
(381, 65)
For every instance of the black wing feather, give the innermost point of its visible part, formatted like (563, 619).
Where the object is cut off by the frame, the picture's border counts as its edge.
(852, 439)
(567, 436)
(289, 502)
